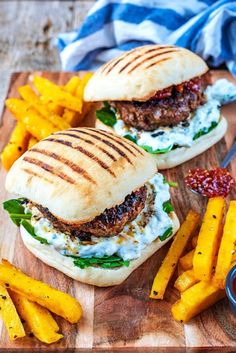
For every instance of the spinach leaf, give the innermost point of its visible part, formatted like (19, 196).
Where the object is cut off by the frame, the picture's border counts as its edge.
(30, 229)
(166, 234)
(104, 262)
(107, 115)
(167, 207)
(131, 138)
(16, 210)
(205, 131)
(173, 184)
(158, 151)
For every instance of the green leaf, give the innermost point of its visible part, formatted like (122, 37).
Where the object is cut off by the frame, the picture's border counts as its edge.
(173, 184)
(158, 151)
(205, 131)
(104, 262)
(131, 138)
(30, 229)
(107, 115)
(16, 210)
(167, 207)
(166, 234)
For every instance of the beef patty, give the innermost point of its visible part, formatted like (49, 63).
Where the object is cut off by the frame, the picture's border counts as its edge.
(167, 107)
(110, 222)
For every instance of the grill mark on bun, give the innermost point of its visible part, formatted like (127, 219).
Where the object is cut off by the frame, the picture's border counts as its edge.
(110, 67)
(83, 151)
(66, 162)
(147, 59)
(28, 171)
(126, 145)
(50, 169)
(142, 54)
(157, 62)
(89, 142)
(112, 63)
(108, 143)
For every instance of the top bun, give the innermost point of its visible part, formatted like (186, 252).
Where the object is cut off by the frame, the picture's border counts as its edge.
(139, 73)
(78, 173)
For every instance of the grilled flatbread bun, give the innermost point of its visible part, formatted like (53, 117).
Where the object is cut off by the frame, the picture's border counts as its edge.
(78, 173)
(184, 154)
(91, 275)
(139, 73)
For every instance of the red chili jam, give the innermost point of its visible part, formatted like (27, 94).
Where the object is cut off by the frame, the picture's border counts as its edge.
(210, 183)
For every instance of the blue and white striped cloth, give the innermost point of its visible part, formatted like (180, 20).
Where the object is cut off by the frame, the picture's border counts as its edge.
(206, 27)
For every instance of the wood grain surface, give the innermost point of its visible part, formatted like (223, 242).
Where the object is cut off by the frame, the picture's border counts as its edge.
(123, 318)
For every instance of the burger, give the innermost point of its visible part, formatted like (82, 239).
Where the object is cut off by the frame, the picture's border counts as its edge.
(159, 96)
(91, 204)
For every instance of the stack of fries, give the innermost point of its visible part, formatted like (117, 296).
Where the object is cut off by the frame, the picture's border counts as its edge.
(203, 270)
(25, 298)
(40, 114)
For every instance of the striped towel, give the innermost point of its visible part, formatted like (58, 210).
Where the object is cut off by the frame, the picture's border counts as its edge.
(206, 27)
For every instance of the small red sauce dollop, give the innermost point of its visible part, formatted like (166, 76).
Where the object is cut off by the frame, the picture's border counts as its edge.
(210, 183)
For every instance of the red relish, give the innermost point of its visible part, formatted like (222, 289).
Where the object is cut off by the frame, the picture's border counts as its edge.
(210, 183)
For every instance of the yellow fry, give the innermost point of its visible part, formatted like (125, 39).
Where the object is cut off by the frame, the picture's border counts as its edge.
(185, 281)
(70, 116)
(186, 261)
(57, 94)
(176, 249)
(33, 121)
(32, 142)
(196, 299)
(55, 108)
(9, 315)
(39, 320)
(180, 269)
(226, 250)
(80, 89)
(16, 146)
(194, 241)
(208, 239)
(30, 96)
(54, 300)
(72, 84)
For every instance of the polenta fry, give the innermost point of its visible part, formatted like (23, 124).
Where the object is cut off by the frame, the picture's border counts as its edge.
(185, 281)
(194, 241)
(226, 250)
(33, 121)
(80, 89)
(176, 249)
(196, 299)
(32, 142)
(72, 84)
(70, 116)
(10, 316)
(30, 96)
(54, 300)
(186, 261)
(208, 239)
(16, 146)
(38, 319)
(57, 94)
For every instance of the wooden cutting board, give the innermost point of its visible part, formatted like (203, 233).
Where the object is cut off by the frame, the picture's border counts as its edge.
(123, 316)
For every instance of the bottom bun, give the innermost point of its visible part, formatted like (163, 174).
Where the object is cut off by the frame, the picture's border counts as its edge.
(183, 154)
(92, 275)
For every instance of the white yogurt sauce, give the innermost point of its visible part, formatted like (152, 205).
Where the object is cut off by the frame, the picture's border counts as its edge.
(129, 243)
(219, 93)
